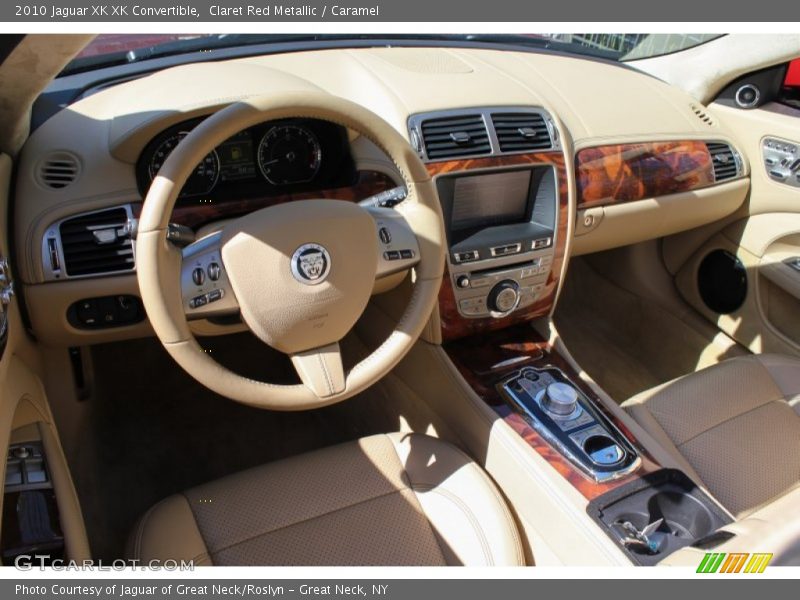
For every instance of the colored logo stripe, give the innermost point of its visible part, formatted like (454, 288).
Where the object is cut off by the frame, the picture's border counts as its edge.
(735, 562)
(758, 563)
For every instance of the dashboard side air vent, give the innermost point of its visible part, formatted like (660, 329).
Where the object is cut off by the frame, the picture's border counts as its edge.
(58, 170)
(724, 160)
(517, 132)
(702, 114)
(97, 242)
(455, 137)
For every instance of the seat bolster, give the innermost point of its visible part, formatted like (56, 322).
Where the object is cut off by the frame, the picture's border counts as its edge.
(785, 372)
(169, 531)
(637, 408)
(469, 517)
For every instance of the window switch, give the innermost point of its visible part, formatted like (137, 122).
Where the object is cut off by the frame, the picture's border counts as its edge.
(13, 473)
(34, 471)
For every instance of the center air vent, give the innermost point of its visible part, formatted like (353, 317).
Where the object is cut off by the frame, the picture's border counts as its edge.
(58, 170)
(459, 136)
(724, 161)
(521, 131)
(97, 242)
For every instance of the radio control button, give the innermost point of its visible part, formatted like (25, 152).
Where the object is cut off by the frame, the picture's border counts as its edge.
(462, 281)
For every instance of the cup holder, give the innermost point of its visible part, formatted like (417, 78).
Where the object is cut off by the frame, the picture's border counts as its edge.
(602, 450)
(631, 515)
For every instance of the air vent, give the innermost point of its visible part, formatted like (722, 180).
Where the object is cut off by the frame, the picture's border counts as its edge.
(58, 170)
(458, 136)
(702, 114)
(97, 243)
(517, 132)
(724, 161)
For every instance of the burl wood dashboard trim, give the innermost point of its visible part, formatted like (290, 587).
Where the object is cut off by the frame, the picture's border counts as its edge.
(453, 325)
(619, 173)
(368, 183)
(485, 360)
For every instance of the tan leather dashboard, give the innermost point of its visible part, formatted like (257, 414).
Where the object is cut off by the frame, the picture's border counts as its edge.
(594, 104)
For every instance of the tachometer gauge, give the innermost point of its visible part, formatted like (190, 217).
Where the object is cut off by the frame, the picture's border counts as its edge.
(289, 154)
(203, 178)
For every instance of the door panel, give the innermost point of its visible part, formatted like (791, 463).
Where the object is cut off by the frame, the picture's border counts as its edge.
(762, 236)
(27, 422)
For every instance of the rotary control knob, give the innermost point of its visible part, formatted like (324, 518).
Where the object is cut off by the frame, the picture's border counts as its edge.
(503, 297)
(560, 399)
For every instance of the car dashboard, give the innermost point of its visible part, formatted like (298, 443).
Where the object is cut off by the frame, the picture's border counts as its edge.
(536, 157)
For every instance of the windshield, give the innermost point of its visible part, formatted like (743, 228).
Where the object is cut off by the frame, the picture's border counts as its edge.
(107, 50)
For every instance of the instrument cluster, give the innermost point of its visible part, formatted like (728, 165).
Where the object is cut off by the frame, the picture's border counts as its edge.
(275, 157)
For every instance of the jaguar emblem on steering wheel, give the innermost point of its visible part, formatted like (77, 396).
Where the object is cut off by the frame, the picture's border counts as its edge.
(311, 264)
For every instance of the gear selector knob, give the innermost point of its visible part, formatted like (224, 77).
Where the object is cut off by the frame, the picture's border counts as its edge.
(560, 399)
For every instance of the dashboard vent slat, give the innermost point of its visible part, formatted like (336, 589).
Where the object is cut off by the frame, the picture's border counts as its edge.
(464, 135)
(723, 160)
(97, 243)
(702, 114)
(521, 131)
(58, 170)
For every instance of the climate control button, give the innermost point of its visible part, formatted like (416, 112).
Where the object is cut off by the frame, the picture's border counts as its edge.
(504, 296)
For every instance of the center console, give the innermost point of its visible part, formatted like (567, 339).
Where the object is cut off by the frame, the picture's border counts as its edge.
(566, 417)
(501, 230)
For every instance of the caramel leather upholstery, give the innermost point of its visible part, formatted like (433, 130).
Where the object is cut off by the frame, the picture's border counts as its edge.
(734, 426)
(398, 499)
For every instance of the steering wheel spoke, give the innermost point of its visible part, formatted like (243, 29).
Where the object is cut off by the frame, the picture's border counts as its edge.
(205, 288)
(321, 370)
(398, 249)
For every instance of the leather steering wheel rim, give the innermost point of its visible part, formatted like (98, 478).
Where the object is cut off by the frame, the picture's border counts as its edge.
(159, 262)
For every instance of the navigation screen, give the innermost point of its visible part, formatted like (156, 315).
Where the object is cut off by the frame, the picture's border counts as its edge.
(486, 200)
(236, 158)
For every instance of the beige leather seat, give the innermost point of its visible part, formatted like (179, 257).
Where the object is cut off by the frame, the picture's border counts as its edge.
(734, 426)
(399, 499)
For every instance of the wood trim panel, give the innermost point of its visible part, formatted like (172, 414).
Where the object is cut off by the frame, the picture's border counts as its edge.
(452, 323)
(620, 173)
(368, 183)
(474, 358)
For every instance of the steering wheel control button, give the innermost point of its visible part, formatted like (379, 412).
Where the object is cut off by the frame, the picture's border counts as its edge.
(392, 255)
(384, 235)
(406, 254)
(311, 264)
(198, 276)
(213, 271)
(215, 295)
(198, 301)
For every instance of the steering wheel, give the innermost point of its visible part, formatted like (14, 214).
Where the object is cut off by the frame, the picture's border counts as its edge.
(300, 273)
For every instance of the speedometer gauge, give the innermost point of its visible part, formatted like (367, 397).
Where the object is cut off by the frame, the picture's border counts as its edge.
(289, 154)
(203, 178)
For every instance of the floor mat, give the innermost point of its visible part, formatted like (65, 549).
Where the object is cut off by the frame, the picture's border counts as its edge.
(625, 343)
(152, 430)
